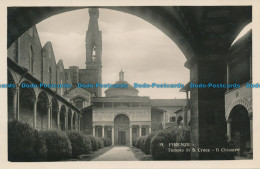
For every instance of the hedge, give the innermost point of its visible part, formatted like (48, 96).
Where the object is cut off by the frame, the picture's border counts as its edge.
(58, 145)
(21, 142)
(80, 143)
(100, 142)
(173, 135)
(147, 143)
(107, 141)
(94, 143)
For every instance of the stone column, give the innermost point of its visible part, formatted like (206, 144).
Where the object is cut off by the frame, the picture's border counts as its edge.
(79, 119)
(35, 113)
(130, 130)
(18, 105)
(15, 104)
(103, 131)
(207, 102)
(185, 120)
(94, 130)
(229, 129)
(58, 119)
(49, 115)
(227, 75)
(140, 130)
(251, 130)
(150, 129)
(66, 121)
(71, 122)
(113, 137)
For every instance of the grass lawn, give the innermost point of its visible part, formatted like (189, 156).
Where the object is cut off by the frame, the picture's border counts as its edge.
(141, 155)
(92, 155)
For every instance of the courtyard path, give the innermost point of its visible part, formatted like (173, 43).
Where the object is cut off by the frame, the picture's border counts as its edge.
(117, 154)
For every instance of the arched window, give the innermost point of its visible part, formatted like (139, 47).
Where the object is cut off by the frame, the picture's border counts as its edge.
(79, 103)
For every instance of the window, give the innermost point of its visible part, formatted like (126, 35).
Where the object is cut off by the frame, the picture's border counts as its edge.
(172, 119)
(79, 103)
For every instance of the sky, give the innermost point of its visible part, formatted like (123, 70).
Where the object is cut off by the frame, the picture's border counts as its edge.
(142, 51)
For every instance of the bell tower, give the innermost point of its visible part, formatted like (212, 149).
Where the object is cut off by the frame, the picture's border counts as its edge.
(94, 51)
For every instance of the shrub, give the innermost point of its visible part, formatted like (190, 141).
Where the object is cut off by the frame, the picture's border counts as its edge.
(58, 145)
(94, 143)
(21, 141)
(100, 142)
(142, 142)
(80, 143)
(173, 135)
(147, 143)
(107, 141)
(138, 142)
(41, 148)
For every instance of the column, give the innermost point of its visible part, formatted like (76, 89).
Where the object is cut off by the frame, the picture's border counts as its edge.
(79, 119)
(207, 102)
(229, 129)
(186, 109)
(58, 119)
(227, 75)
(150, 129)
(18, 104)
(103, 131)
(251, 130)
(15, 94)
(35, 113)
(130, 129)
(49, 115)
(113, 139)
(94, 127)
(71, 122)
(66, 121)
(140, 130)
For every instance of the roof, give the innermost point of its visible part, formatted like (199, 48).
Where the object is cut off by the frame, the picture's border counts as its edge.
(129, 86)
(168, 102)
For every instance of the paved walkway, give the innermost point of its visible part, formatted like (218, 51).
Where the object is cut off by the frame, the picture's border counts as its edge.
(117, 154)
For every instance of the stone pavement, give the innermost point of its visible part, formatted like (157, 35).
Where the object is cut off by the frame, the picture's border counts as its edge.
(117, 154)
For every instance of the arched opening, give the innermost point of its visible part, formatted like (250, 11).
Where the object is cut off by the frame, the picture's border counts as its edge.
(62, 117)
(69, 119)
(26, 101)
(12, 98)
(122, 135)
(79, 103)
(240, 129)
(42, 111)
(54, 113)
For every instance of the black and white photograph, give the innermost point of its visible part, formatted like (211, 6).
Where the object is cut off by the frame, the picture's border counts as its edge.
(90, 84)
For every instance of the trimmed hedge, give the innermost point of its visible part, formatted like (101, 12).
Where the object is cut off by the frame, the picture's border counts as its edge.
(21, 142)
(58, 145)
(80, 143)
(107, 141)
(173, 135)
(147, 143)
(94, 143)
(100, 142)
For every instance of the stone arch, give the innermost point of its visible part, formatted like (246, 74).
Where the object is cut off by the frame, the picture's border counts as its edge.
(122, 132)
(239, 130)
(63, 117)
(27, 99)
(54, 113)
(42, 110)
(127, 114)
(236, 102)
